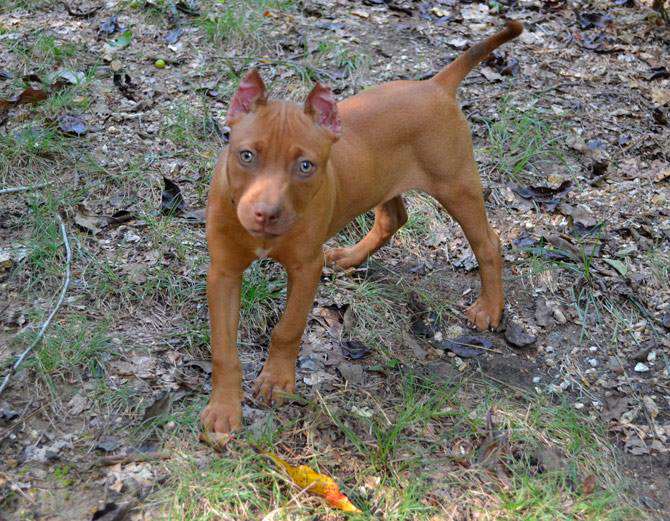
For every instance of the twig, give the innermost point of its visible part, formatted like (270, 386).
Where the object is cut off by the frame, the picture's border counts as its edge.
(45, 325)
(14, 189)
(131, 458)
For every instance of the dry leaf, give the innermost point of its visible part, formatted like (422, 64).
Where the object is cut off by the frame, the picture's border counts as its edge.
(316, 483)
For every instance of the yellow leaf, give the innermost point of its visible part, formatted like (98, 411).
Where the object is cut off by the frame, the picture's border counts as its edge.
(316, 483)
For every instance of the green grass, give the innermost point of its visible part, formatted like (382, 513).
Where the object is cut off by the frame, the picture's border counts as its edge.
(389, 462)
(238, 20)
(518, 140)
(74, 348)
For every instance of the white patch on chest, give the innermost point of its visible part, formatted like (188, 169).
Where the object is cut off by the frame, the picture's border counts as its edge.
(261, 253)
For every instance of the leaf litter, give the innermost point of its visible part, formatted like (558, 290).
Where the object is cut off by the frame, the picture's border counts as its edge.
(605, 88)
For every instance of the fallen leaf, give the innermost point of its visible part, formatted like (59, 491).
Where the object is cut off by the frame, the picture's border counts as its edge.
(72, 125)
(122, 41)
(172, 202)
(159, 407)
(589, 485)
(463, 345)
(108, 444)
(112, 512)
(173, 35)
(92, 223)
(82, 11)
(189, 7)
(592, 20)
(196, 216)
(614, 407)
(354, 349)
(617, 265)
(315, 483)
(109, 26)
(547, 197)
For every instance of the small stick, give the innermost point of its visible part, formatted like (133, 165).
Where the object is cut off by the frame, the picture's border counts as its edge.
(131, 458)
(15, 189)
(45, 325)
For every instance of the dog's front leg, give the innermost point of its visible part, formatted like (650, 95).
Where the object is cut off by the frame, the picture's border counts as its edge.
(224, 412)
(278, 375)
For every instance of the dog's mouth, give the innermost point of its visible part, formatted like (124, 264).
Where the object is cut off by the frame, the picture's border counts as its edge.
(261, 233)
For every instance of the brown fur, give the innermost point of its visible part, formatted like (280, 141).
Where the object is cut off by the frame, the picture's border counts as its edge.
(400, 136)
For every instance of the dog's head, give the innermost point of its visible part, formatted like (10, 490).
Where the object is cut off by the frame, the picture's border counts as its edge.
(277, 154)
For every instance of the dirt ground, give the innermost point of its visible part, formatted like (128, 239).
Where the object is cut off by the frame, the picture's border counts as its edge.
(562, 414)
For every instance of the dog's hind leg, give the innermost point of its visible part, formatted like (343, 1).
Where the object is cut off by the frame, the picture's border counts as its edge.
(389, 217)
(462, 198)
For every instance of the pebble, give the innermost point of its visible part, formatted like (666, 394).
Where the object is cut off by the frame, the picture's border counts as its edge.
(536, 379)
(613, 364)
(651, 357)
(559, 316)
(549, 349)
(593, 349)
(593, 362)
(579, 405)
(641, 368)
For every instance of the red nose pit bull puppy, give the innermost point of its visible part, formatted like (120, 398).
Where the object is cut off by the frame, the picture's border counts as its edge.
(293, 176)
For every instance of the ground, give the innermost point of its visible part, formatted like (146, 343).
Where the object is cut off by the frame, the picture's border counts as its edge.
(562, 414)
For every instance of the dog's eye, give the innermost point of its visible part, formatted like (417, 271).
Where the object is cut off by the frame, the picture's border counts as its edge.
(246, 156)
(305, 166)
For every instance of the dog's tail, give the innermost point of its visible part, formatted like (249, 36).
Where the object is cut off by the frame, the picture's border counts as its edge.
(452, 75)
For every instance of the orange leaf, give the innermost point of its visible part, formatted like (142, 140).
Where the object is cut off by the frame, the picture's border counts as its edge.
(316, 483)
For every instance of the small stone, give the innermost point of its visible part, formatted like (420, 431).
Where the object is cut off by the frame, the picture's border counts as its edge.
(651, 357)
(536, 379)
(593, 362)
(593, 349)
(613, 364)
(579, 405)
(559, 316)
(665, 320)
(549, 349)
(352, 373)
(516, 336)
(641, 368)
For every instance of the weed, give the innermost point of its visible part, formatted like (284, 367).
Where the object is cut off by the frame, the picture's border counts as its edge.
(518, 140)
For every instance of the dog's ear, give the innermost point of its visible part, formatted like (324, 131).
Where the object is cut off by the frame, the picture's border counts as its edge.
(322, 106)
(250, 93)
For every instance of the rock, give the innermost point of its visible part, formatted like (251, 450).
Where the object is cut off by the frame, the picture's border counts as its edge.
(444, 370)
(665, 320)
(108, 444)
(516, 336)
(352, 373)
(536, 379)
(411, 342)
(651, 357)
(641, 368)
(643, 353)
(615, 365)
(544, 314)
(593, 362)
(559, 316)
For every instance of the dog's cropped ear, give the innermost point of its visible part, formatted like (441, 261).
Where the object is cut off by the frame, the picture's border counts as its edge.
(322, 106)
(250, 93)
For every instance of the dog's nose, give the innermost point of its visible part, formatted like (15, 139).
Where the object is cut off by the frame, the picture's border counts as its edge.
(265, 213)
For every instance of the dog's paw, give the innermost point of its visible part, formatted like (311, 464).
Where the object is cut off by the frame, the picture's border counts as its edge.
(484, 314)
(222, 417)
(342, 258)
(276, 381)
